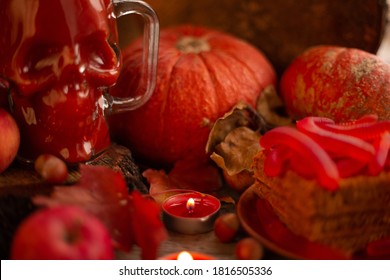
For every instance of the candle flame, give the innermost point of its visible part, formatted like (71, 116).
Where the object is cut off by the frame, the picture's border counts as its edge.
(190, 205)
(184, 256)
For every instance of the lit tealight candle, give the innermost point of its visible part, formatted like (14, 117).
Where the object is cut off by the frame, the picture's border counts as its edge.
(190, 213)
(190, 205)
(187, 256)
(184, 256)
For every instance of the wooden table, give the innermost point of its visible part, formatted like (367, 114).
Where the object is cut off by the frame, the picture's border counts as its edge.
(205, 243)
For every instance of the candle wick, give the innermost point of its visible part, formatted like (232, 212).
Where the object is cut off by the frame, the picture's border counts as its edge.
(190, 206)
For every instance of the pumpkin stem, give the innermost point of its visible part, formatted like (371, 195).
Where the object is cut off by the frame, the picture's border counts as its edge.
(189, 44)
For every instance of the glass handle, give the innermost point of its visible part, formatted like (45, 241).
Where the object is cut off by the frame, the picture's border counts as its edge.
(149, 58)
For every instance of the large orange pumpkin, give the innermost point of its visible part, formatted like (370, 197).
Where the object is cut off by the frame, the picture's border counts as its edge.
(336, 82)
(202, 74)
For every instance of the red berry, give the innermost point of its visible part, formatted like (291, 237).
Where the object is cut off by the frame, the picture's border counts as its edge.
(51, 168)
(226, 227)
(249, 249)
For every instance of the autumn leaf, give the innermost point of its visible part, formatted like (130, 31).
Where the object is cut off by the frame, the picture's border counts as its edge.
(149, 231)
(196, 175)
(237, 151)
(161, 186)
(186, 175)
(242, 115)
(270, 106)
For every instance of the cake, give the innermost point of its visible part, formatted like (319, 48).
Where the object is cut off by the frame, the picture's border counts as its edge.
(329, 183)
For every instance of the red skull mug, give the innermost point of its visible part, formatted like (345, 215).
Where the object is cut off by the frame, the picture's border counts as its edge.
(57, 60)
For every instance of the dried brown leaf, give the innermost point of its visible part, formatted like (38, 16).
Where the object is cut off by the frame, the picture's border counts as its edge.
(242, 115)
(237, 151)
(270, 106)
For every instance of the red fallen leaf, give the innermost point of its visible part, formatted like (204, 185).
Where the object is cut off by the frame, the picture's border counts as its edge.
(148, 229)
(185, 175)
(103, 192)
(201, 176)
(161, 185)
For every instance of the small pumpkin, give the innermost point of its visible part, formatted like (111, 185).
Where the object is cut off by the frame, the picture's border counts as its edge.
(336, 82)
(202, 73)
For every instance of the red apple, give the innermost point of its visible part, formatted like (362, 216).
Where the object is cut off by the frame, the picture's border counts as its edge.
(9, 139)
(62, 232)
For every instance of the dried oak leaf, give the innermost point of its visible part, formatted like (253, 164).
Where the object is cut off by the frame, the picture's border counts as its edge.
(234, 139)
(161, 186)
(237, 151)
(234, 156)
(233, 142)
(103, 192)
(270, 106)
(185, 175)
(242, 115)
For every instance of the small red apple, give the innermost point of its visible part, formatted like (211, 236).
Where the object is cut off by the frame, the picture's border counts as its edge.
(9, 139)
(62, 232)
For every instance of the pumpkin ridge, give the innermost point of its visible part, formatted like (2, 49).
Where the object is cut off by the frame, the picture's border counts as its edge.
(217, 55)
(232, 55)
(165, 95)
(211, 76)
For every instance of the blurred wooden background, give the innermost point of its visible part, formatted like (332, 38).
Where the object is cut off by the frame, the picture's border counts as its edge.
(280, 28)
(384, 50)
